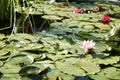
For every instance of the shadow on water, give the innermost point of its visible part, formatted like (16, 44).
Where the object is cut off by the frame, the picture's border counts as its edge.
(33, 23)
(5, 27)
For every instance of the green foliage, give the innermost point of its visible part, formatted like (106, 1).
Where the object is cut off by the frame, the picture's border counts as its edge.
(57, 53)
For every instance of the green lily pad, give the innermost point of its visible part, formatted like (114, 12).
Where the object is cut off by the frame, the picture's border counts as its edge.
(10, 69)
(106, 61)
(70, 69)
(67, 77)
(2, 44)
(112, 73)
(59, 57)
(42, 67)
(88, 66)
(2, 36)
(21, 58)
(100, 46)
(32, 47)
(51, 17)
(10, 77)
(99, 76)
(53, 74)
(4, 52)
(117, 65)
(25, 38)
(56, 73)
(29, 70)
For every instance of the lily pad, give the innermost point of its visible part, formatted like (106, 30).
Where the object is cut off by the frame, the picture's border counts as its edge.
(51, 17)
(106, 61)
(70, 69)
(99, 76)
(29, 70)
(53, 74)
(112, 73)
(21, 58)
(10, 77)
(88, 66)
(10, 69)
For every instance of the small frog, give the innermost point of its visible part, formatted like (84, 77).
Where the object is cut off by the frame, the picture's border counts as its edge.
(113, 38)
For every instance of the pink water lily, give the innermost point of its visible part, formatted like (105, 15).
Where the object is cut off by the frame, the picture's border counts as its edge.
(88, 45)
(79, 10)
(106, 19)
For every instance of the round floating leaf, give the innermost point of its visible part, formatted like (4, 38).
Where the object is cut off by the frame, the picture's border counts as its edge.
(99, 76)
(42, 67)
(32, 47)
(25, 38)
(59, 57)
(100, 46)
(21, 58)
(108, 60)
(112, 73)
(71, 60)
(117, 65)
(4, 52)
(2, 36)
(29, 70)
(51, 17)
(10, 69)
(10, 77)
(66, 76)
(53, 74)
(2, 44)
(88, 66)
(70, 69)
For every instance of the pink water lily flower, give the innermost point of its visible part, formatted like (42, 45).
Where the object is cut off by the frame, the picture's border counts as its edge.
(88, 45)
(79, 10)
(106, 19)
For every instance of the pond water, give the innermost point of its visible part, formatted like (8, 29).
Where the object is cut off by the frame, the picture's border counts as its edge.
(66, 41)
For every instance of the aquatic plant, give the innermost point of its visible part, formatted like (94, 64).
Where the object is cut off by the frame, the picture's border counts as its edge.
(88, 45)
